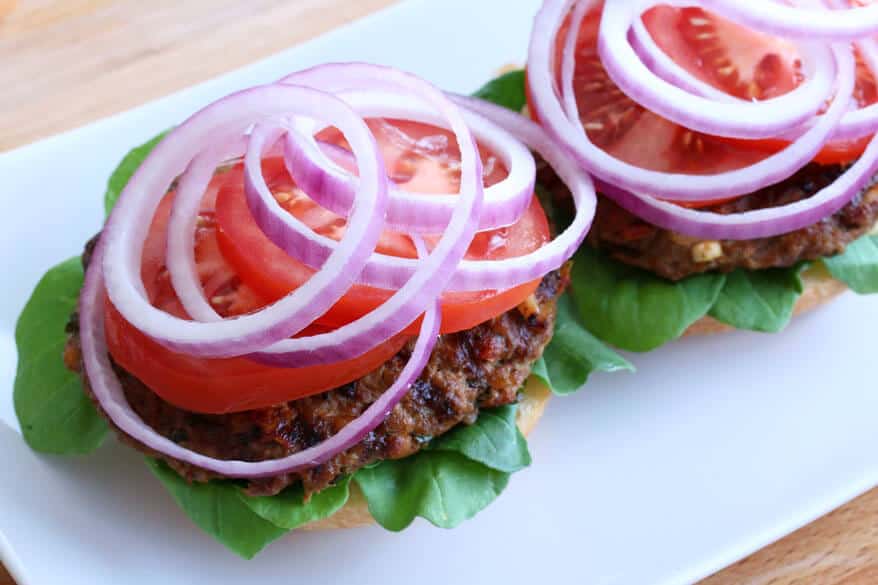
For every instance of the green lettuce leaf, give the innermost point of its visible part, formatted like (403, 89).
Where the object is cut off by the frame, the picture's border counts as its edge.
(858, 266)
(507, 90)
(633, 309)
(218, 509)
(494, 441)
(54, 413)
(126, 169)
(574, 354)
(289, 510)
(759, 300)
(444, 487)
(452, 480)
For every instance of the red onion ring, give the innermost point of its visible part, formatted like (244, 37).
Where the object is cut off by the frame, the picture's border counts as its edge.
(566, 127)
(108, 391)
(334, 187)
(430, 276)
(796, 22)
(125, 230)
(391, 272)
(733, 119)
(762, 223)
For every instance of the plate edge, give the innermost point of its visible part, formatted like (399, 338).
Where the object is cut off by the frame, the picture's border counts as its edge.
(11, 562)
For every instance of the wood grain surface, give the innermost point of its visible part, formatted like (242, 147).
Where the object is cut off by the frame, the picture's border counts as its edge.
(64, 63)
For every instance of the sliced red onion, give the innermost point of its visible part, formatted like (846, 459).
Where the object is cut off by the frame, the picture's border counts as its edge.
(334, 187)
(108, 391)
(430, 276)
(784, 20)
(126, 228)
(733, 119)
(391, 272)
(762, 223)
(566, 127)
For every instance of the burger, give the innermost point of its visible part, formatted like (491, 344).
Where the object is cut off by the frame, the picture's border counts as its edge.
(316, 304)
(733, 147)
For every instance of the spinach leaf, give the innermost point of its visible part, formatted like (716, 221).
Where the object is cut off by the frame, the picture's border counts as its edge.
(289, 510)
(858, 266)
(54, 413)
(507, 90)
(453, 479)
(126, 169)
(574, 353)
(217, 508)
(759, 300)
(444, 487)
(494, 441)
(633, 309)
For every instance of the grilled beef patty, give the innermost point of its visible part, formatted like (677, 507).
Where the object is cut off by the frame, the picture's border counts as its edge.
(629, 239)
(483, 367)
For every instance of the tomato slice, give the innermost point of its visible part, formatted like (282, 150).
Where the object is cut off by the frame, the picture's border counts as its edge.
(422, 158)
(217, 385)
(227, 385)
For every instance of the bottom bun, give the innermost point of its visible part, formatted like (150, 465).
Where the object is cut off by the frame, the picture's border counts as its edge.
(356, 513)
(820, 288)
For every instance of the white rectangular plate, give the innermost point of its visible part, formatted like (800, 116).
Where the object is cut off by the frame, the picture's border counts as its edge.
(712, 450)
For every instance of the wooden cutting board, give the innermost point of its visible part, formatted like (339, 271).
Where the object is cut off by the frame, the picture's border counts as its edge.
(64, 63)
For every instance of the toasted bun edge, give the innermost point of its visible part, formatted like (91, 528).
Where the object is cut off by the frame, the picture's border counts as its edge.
(820, 288)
